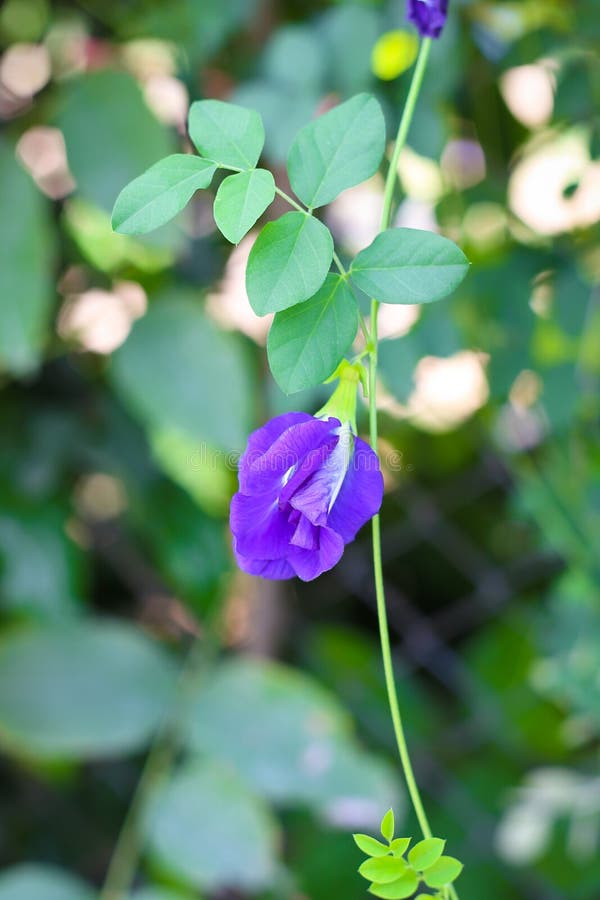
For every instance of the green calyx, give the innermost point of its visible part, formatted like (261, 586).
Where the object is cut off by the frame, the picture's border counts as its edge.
(342, 403)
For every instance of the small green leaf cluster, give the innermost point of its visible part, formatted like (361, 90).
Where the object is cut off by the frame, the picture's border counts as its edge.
(288, 273)
(393, 876)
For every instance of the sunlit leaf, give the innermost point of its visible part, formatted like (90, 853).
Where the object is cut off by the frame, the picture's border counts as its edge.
(443, 872)
(388, 825)
(424, 854)
(370, 845)
(404, 887)
(383, 869)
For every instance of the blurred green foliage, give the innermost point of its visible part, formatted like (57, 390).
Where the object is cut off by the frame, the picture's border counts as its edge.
(131, 371)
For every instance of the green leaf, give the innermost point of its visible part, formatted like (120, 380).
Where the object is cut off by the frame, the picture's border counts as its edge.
(110, 133)
(349, 32)
(26, 270)
(398, 846)
(396, 890)
(89, 227)
(207, 828)
(406, 265)
(40, 567)
(154, 893)
(383, 869)
(228, 134)
(32, 881)
(272, 711)
(241, 200)
(443, 872)
(425, 853)
(177, 371)
(288, 263)
(338, 150)
(307, 342)
(160, 193)
(370, 845)
(388, 825)
(89, 689)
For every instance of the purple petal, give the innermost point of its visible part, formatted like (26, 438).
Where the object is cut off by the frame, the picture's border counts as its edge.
(428, 16)
(309, 564)
(259, 526)
(265, 472)
(263, 438)
(312, 463)
(317, 495)
(274, 569)
(361, 493)
(306, 535)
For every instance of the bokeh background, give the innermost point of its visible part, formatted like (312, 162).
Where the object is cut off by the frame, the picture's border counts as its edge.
(130, 374)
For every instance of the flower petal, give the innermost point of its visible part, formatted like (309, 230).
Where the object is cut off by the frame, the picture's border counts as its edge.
(263, 438)
(266, 471)
(273, 569)
(361, 493)
(260, 528)
(309, 564)
(317, 494)
(306, 535)
(428, 16)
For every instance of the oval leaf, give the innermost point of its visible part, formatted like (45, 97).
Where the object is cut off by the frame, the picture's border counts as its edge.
(208, 828)
(396, 890)
(338, 150)
(407, 265)
(443, 872)
(81, 690)
(160, 193)
(383, 869)
(228, 134)
(26, 267)
(306, 343)
(166, 365)
(399, 845)
(34, 881)
(425, 853)
(370, 845)
(388, 825)
(241, 200)
(288, 263)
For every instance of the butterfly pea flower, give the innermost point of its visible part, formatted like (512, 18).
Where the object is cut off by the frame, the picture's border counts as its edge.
(307, 484)
(428, 16)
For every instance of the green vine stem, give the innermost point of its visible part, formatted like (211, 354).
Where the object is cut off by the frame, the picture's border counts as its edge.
(386, 217)
(165, 745)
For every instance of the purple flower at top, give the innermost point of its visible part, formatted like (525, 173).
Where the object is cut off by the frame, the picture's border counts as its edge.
(429, 16)
(306, 487)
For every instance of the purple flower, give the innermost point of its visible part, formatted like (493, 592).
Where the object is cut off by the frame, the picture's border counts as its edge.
(429, 16)
(306, 487)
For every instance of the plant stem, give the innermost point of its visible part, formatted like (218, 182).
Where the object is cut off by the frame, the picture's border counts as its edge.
(384, 634)
(405, 121)
(124, 861)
